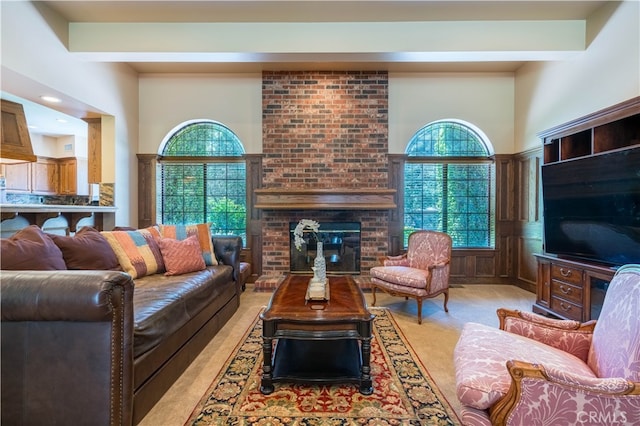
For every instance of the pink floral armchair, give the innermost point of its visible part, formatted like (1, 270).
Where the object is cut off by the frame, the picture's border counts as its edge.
(422, 272)
(541, 371)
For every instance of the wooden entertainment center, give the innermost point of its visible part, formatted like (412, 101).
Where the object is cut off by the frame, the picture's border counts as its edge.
(570, 288)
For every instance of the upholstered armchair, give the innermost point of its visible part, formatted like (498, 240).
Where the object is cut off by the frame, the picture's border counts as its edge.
(536, 370)
(422, 272)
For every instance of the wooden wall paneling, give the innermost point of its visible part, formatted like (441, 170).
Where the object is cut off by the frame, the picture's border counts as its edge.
(254, 219)
(505, 213)
(147, 190)
(528, 226)
(457, 270)
(396, 217)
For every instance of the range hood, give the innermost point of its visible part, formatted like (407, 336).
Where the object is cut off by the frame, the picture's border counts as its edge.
(15, 145)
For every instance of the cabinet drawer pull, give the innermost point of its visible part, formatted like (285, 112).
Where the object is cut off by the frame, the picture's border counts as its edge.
(565, 272)
(565, 290)
(564, 307)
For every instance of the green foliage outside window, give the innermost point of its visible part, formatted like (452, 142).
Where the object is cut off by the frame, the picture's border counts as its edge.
(212, 190)
(449, 185)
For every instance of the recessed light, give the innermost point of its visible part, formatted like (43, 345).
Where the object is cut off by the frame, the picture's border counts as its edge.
(61, 120)
(51, 99)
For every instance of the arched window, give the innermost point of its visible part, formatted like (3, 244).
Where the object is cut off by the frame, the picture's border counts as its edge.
(202, 178)
(449, 183)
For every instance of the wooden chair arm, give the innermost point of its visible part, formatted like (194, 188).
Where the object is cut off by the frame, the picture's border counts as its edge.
(522, 372)
(439, 265)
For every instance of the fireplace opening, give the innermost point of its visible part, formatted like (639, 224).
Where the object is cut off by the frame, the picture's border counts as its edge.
(341, 248)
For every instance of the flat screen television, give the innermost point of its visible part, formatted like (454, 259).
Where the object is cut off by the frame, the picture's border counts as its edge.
(591, 208)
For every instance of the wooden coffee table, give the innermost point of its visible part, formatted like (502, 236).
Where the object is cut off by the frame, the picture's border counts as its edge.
(317, 342)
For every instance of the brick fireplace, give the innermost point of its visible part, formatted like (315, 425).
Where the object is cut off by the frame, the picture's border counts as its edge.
(326, 131)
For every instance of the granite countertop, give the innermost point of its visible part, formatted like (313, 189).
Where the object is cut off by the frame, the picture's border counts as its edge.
(43, 208)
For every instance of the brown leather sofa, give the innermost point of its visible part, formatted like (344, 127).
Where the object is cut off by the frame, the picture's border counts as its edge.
(98, 348)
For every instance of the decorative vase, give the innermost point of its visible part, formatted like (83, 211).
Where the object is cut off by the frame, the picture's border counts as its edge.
(320, 264)
(318, 288)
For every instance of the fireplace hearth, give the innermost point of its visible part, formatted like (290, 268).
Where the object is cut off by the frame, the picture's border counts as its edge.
(341, 248)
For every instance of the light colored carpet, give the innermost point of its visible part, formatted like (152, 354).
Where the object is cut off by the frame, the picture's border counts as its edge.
(433, 341)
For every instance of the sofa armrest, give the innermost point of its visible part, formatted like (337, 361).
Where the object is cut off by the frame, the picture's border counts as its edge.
(540, 395)
(227, 249)
(570, 336)
(67, 347)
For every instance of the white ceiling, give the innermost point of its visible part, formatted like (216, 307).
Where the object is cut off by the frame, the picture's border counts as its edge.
(310, 11)
(305, 11)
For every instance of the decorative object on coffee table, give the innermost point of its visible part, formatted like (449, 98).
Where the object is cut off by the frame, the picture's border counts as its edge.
(320, 264)
(317, 289)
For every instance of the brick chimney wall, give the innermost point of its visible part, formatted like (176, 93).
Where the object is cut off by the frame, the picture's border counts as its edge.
(324, 130)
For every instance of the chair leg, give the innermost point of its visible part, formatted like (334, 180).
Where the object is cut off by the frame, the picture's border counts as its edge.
(373, 291)
(419, 310)
(446, 299)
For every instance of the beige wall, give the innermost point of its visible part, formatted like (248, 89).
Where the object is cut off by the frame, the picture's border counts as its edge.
(35, 61)
(166, 101)
(482, 99)
(485, 100)
(552, 93)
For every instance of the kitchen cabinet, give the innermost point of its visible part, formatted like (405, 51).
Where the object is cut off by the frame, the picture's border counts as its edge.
(67, 184)
(73, 177)
(44, 176)
(18, 177)
(48, 176)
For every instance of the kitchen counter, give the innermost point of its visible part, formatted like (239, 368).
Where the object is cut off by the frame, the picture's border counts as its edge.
(60, 208)
(38, 214)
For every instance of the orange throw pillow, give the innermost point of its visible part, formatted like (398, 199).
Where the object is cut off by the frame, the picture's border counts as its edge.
(181, 256)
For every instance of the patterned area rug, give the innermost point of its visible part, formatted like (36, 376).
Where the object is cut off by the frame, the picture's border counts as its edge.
(404, 393)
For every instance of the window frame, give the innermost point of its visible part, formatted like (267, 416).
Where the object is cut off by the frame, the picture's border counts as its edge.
(203, 162)
(446, 161)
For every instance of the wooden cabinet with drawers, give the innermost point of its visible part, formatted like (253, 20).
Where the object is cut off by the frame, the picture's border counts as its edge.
(570, 289)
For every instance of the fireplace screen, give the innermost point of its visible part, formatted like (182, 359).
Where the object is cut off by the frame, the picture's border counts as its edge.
(341, 248)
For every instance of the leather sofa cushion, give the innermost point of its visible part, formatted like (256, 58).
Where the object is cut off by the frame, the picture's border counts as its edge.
(162, 304)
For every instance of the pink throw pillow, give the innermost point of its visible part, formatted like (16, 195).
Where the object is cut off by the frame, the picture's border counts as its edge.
(181, 256)
(201, 230)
